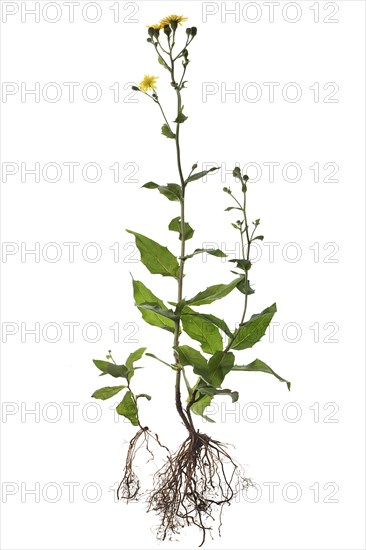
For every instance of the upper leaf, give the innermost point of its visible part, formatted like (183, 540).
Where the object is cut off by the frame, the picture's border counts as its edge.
(252, 331)
(155, 306)
(213, 251)
(175, 225)
(258, 366)
(181, 117)
(166, 131)
(143, 295)
(157, 258)
(134, 356)
(171, 191)
(128, 408)
(200, 175)
(212, 293)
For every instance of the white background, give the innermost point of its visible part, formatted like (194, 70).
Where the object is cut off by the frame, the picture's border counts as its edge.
(327, 289)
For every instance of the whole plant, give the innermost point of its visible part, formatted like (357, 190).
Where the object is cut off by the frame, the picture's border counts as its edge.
(200, 477)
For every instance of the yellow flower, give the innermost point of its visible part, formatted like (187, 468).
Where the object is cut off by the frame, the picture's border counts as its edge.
(167, 20)
(148, 83)
(155, 26)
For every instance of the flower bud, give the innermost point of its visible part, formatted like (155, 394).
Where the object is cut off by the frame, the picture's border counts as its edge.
(193, 31)
(194, 166)
(236, 172)
(227, 190)
(167, 30)
(174, 24)
(188, 31)
(135, 88)
(151, 31)
(156, 33)
(245, 178)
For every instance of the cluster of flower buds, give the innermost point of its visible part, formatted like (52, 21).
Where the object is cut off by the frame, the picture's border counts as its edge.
(191, 31)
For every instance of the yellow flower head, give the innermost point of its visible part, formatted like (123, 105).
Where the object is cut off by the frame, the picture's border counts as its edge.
(167, 20)
(179, 19)
(148, 83)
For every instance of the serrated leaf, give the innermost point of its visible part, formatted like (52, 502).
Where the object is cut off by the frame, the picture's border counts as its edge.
(213, 293)
(166, 131)
(258, 366)
(252, 331)
(175, 225)
(202, 330)
(107, 392)
(157, 258)
(154, 306)
(202, 174)
(128, 409)
(171, 191)
(142, 295)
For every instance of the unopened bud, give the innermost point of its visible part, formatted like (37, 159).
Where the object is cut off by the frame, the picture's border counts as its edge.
(167, 30)
(135, 88)
(193, 31)
(151, 31)
(245, 178)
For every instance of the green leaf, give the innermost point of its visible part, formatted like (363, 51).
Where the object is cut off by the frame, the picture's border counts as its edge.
(134, 356)
(218, 366)
(212, 293)
(200, 175)
(259, 238)
(148, 397)
(181, 117)
(175, 225)
(128, 409)
(157, 258)
(201, 404)
(190, 356)
(245, 288)
(252, 331)
(207, 389)
(229, 208)
(214, 252)
(171, 191)
(202, 330)
(142, 295)
(220, 323)
(166, 131)
(242, 264)
(258, 366)
(106, 393)
(155, 306)
(162, 62)
(117, 371)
